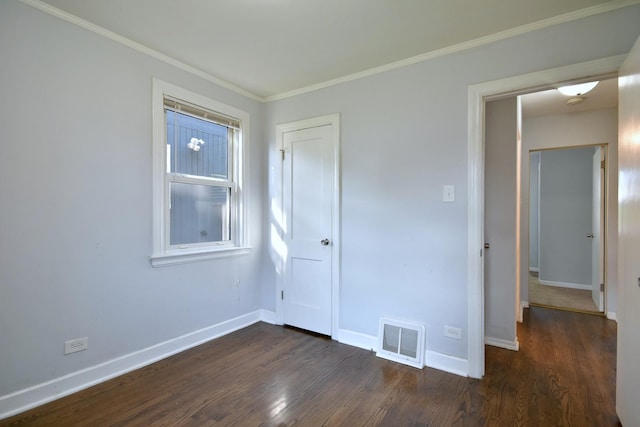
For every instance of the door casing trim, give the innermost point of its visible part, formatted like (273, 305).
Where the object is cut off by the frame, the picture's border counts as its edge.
(477, 96)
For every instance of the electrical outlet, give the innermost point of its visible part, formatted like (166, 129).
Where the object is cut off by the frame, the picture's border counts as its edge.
(73, 346)
(452, 332)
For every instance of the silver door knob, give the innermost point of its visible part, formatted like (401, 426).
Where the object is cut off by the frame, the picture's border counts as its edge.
(590, 235)
(324, 242)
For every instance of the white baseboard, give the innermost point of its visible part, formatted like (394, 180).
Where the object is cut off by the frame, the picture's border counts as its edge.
(442, 362)
(498, 342)
(356, 339)
(268, 316)
(612, 316)
(565, 285)
(534, 269)
(40, 394)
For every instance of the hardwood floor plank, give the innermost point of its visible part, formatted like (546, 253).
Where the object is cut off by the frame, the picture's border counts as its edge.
(265, 375)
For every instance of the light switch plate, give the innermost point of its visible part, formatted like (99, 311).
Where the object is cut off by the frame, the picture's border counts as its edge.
(448, 194)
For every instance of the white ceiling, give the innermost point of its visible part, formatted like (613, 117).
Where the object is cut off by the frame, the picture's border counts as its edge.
(271, 47)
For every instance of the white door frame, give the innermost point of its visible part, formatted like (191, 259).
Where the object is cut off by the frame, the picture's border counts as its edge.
(477, 96)
(278, 214)
(603, 178)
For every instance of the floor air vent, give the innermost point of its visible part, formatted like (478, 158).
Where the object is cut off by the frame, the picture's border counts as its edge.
(401, 342)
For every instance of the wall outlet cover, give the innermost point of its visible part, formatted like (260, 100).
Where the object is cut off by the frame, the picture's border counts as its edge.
(73, 346)
(453, 332)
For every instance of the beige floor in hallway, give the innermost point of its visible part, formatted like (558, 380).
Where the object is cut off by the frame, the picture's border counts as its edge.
(564, 298)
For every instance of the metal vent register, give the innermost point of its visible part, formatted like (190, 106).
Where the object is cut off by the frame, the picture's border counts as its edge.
(401, 342)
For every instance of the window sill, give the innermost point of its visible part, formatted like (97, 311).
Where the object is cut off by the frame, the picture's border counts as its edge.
(184, 258)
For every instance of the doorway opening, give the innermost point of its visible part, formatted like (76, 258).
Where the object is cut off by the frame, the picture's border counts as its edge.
(567, 228)
(570, 151)
(478, 96)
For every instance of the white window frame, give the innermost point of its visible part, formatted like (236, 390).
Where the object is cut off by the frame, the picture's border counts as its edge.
(163, 253)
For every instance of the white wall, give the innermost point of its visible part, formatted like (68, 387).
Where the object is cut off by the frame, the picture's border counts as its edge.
(571, 130)
(404, 135)
(75, 222)
(501, 161)
(566, 206)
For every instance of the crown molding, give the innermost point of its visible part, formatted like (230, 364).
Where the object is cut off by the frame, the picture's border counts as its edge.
(82, 23)
(502, 35)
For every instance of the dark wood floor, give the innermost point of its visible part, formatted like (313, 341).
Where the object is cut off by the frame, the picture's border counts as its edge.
(564, 375)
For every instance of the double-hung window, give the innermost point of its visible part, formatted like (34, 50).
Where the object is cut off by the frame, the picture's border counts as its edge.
(198, 187)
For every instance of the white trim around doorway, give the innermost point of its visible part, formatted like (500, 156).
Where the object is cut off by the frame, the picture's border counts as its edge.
(477, 96)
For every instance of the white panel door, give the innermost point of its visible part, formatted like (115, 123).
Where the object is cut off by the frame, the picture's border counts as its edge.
(500, 195)
(308, 174)
(627, 372)
(597, 244)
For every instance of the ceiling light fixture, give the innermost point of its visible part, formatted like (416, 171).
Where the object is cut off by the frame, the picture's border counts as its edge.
(577, 90)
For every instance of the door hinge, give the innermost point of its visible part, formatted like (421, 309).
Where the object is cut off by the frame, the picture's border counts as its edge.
(601, 164)
(601, 287)
(282, 153)
(282, 295)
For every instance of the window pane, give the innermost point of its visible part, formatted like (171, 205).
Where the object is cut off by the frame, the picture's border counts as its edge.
(196, 146)
(199, 213)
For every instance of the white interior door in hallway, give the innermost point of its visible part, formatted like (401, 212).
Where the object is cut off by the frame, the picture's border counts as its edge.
(307, 192)
(500, 222)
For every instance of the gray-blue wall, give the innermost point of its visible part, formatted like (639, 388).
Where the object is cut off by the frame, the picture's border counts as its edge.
(76, 197)
(404, 136)
(566, 194)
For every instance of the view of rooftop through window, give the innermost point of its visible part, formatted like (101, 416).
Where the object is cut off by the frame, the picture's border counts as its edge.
(199, 211)
(210, 159)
